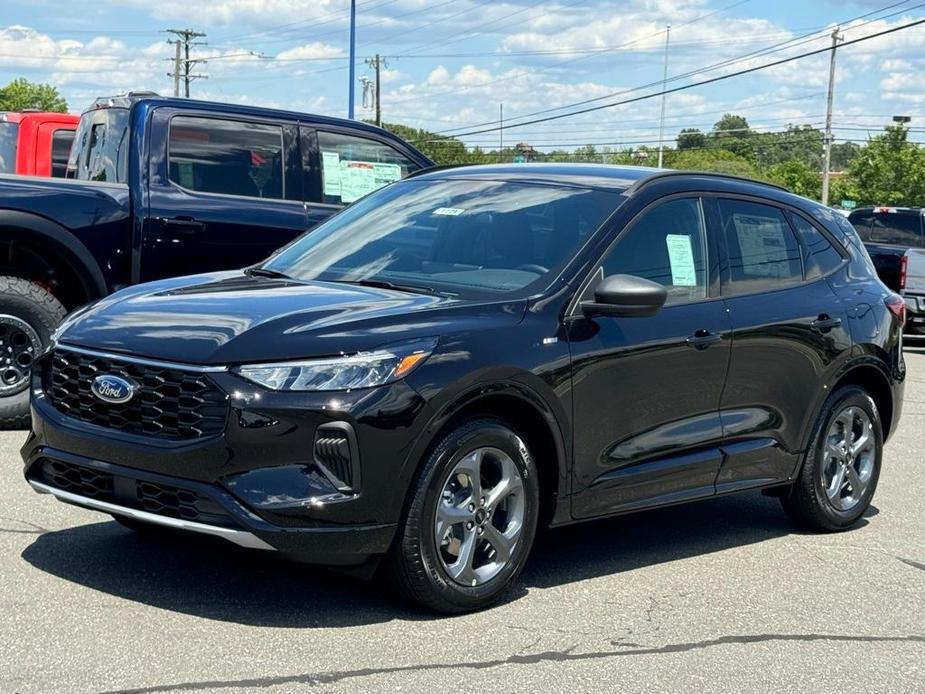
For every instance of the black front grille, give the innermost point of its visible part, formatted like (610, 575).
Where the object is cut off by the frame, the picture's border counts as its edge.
(170, 403)
(157, 498)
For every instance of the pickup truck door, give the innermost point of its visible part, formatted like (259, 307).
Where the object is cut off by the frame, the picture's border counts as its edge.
(225, 192)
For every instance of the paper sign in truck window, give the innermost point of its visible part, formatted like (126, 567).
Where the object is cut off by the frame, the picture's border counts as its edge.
(330, 173)
(357, 178)
(681, 257)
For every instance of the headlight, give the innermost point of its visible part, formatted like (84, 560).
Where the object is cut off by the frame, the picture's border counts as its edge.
(362, 370)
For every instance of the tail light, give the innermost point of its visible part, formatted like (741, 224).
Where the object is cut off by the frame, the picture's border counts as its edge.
(897, 306)
(903, 267)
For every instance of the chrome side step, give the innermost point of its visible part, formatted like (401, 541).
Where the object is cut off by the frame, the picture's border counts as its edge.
(239, 537)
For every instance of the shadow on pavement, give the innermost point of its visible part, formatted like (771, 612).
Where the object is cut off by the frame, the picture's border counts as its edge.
(216, 580)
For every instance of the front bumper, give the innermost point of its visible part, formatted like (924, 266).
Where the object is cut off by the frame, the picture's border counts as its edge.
(255, 483)
(915, 311)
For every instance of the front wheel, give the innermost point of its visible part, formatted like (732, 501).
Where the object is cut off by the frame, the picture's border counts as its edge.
(842, 466)
(470, 520)
(29, 315)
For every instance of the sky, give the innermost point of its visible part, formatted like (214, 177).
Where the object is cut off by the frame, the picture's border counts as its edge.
(451, 64)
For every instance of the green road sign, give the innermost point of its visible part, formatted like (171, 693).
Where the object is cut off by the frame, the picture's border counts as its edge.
(849, 204)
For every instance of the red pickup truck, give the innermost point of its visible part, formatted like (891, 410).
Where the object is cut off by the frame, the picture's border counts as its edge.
(36, 143)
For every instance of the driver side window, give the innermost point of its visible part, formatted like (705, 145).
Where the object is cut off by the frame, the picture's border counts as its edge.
(666, 245)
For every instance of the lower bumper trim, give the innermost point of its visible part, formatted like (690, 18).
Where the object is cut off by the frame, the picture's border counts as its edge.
(238, 537)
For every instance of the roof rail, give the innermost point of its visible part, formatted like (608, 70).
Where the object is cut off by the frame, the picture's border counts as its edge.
(712, 174)
(435, 167)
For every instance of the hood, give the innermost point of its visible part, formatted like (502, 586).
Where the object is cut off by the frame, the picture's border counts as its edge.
(231, 318)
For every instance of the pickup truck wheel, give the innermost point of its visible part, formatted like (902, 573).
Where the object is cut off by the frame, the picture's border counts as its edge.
(28, 316)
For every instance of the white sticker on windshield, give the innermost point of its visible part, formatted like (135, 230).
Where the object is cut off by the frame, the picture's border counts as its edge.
(449, 211)
(681, 257)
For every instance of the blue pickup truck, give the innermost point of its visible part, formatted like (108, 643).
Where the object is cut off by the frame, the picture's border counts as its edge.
(158, 187)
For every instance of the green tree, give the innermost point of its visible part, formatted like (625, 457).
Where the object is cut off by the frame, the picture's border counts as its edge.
(890, 170)
(21, 94)
(798, 177)
(732, 133)
(714, 160)
(692, 138)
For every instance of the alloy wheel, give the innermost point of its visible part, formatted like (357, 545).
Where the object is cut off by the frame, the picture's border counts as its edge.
(19, 344)
(480, 515)
(849, 458)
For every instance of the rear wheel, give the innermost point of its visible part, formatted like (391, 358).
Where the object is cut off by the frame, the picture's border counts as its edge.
(28, 316)
(470, 521)
(842, 467)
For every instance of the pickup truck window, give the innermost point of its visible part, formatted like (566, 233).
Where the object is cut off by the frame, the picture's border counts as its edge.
(229, 157)
(898, 229)
(9, 132)
(353, 166)
(61, 142)
(103, 154)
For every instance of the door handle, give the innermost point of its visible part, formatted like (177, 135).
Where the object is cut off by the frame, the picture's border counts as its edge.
(702, 339)
(824, 323)
(181, 225)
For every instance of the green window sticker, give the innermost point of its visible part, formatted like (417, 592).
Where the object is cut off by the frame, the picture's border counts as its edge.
(681, 257)
(330, 173)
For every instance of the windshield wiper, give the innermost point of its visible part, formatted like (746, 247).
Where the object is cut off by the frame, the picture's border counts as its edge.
(385, 284)
(266, 272)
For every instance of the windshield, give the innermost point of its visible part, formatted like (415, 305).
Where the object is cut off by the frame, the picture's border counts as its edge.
(462, 237)
(8, 135)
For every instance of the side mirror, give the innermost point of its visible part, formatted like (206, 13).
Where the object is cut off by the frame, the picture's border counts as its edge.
(626, 295)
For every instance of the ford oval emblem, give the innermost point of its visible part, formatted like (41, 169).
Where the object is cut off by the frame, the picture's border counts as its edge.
(112, 389)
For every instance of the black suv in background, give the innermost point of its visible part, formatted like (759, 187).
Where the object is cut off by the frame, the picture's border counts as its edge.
(167, 187)
(469, 353)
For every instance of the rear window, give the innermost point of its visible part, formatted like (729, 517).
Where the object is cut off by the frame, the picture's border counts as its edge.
(8, 134)
(896, 228)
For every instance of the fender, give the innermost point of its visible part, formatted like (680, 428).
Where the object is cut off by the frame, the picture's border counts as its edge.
(47, 231)
(460, 395)
(849, 365)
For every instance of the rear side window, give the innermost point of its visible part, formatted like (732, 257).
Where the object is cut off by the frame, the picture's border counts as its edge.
(9, 132)
(666, 245)
(353, 166)
(763, 252)
(61, 142)
(819, 256)
(896, 228)
(212, 155)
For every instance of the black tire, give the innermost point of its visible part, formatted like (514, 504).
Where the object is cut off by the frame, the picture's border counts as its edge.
(807, 502)
(414, 565)
(35, 306)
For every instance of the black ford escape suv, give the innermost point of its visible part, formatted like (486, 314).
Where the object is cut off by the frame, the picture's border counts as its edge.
(469, 353)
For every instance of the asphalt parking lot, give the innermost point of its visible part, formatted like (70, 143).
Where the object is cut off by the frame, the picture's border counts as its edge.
(723, 595)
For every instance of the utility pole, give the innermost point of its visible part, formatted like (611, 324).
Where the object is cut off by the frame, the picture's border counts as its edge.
(661, 124)
(377, 63)
(500, 131)
(176, 69)
(351, 78)
(827, 163)
(182, 63)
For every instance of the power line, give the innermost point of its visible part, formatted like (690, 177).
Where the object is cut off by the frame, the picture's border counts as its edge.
(774, 48)
(697, 84)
